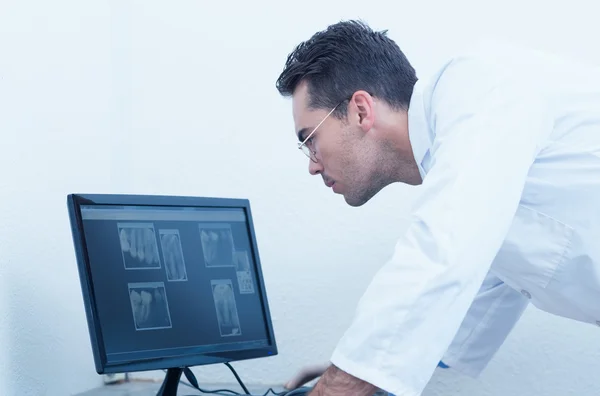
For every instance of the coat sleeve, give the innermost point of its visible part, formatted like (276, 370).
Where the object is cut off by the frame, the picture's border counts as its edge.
(489, 129)
(491, 317)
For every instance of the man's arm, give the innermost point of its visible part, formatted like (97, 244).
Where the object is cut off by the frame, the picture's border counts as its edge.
(490, 319)
(336, 382)
(489, 128)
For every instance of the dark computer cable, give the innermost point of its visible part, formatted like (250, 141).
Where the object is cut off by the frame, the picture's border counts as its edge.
(193, 383)
(237, 377)
(299, 391)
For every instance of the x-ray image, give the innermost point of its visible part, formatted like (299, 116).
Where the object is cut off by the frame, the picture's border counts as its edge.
(172, 255)
(217, 244)
(242, 269)
(149, 306)
(138, 245)
(227, 314)
(242, 261)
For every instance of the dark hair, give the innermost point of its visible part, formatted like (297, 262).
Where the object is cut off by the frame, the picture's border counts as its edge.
(344, 58)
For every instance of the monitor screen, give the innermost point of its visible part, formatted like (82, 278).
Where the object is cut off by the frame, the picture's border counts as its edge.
(174, 281)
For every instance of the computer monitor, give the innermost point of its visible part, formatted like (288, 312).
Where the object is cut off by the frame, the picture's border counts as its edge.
(170, 282)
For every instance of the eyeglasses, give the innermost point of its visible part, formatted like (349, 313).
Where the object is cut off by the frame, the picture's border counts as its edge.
(312, 154)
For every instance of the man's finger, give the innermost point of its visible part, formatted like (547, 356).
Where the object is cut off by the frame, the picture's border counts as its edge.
(306, 375)
(298, 381)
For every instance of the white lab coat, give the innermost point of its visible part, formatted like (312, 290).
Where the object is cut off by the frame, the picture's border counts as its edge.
(508, 143)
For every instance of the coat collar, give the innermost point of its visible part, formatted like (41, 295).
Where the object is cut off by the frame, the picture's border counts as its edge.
(418, 128)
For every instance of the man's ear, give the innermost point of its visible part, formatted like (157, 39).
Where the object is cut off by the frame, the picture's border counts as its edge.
(363, 111)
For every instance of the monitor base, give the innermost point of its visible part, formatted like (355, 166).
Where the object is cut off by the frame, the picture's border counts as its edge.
(171, 382)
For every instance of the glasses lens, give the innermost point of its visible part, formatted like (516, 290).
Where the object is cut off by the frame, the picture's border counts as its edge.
(306, 151)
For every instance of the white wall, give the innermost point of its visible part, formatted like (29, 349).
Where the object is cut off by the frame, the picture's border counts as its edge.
(176, 98)
(55, 120)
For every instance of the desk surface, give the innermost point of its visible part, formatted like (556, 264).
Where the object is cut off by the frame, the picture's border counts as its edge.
(149, 388)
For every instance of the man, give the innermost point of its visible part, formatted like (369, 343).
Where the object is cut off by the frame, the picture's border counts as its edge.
(505, 145)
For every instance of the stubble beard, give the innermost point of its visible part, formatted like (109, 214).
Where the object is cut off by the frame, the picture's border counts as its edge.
(377, 173)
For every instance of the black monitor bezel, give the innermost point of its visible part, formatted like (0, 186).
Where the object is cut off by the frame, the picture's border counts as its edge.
(74, 203)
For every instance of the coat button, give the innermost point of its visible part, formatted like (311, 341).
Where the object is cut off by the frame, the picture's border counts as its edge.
(526, 293)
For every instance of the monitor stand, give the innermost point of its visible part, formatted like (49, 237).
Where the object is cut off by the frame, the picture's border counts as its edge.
(171, 382)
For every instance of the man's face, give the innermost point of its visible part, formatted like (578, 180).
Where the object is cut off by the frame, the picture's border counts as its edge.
(347, 156)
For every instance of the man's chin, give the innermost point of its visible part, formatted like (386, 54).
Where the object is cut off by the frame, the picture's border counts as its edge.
(355, 201)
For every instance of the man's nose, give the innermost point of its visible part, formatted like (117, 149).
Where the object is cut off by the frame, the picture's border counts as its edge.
(314, 168)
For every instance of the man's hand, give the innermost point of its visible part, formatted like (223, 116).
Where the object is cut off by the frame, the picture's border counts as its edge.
(335, 382)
